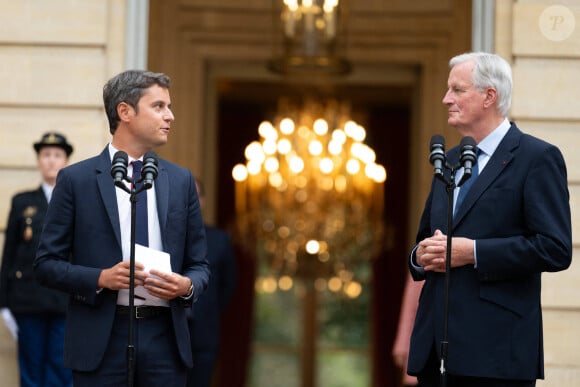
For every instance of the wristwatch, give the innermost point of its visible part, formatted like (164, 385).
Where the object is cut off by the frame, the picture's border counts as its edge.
(189, 292)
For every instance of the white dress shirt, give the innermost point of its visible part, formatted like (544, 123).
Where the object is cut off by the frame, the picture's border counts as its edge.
(124, 207)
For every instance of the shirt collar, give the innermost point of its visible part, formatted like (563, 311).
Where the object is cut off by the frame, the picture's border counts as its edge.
(113, 150)
(490, 143)
(47, 189)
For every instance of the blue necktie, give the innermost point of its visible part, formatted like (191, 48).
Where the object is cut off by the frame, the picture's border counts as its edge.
(141, 220)
(464, 189)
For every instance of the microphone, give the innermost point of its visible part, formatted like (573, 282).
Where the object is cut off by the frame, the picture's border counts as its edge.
(119, 168)
(437, 155)
(150, 170)
(468, 158)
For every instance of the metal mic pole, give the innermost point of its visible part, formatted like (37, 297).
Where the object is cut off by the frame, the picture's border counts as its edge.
(467, 144)
(444, 342)
(149, 169)
(130, 345)
(119, 167)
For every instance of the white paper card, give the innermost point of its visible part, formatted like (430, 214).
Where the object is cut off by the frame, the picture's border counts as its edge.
(152, 259)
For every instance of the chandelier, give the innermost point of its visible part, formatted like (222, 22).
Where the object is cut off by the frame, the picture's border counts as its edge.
(309, 199)
(313, 38)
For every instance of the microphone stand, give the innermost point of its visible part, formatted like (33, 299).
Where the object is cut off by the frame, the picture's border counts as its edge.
(450, 187)
(130, 346)
(468, 158)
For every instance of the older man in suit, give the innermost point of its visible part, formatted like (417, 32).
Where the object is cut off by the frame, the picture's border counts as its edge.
(513, 224)
(86, 242)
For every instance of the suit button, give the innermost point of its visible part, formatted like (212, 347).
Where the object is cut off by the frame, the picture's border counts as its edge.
(18, 274)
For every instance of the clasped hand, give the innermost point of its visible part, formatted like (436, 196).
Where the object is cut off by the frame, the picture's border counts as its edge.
(431, 252)
(159, 284)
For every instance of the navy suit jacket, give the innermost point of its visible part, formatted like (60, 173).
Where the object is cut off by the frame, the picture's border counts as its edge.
(82, 236)
(518, 212)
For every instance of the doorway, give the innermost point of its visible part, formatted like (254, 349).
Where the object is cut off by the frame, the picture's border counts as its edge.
(385, 111)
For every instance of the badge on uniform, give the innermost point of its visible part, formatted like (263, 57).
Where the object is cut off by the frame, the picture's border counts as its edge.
(28, 213)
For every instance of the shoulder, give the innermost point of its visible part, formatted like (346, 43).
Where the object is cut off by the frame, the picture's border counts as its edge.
(85, 170)
(173, 168)
(534, 147)
(523, 138)
(81, 166)
(24, 197)
(175, 175)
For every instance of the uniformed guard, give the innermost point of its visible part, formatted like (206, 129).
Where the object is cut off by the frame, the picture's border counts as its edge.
(39, 312)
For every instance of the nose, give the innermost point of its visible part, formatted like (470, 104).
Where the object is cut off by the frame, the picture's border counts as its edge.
(447, 98)
(168, 116)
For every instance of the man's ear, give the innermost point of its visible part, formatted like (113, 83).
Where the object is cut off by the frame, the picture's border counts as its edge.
(125, 111)
(490, 97)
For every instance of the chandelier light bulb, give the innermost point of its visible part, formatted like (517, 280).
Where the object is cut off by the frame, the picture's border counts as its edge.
(339, 135)
(296, 164)
(353, 166)
(287, 126)
(240, 172)
(254, 167)
(326, 165)
(315, 148)
(320, 127)
(271, 164)
(255, 152)
(291, 4)
(312, 247)
(284, 146)
(267, 131)
(335, 147)
(269, 147)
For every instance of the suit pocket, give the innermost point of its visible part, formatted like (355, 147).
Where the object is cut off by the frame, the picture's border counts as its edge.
(520, 296)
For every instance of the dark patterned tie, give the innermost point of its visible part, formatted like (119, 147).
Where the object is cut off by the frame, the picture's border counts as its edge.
(464, 189)
(141, 220)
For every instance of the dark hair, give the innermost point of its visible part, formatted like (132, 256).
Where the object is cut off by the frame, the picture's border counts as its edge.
(128, 87)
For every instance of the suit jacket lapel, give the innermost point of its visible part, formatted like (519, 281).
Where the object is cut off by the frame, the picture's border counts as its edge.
(41, 198)
(107, 192)
(162, 196)
(502, 156)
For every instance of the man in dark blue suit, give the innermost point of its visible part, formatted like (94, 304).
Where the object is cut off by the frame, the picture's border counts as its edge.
(85, 249)
(205, 322)
(513, 224)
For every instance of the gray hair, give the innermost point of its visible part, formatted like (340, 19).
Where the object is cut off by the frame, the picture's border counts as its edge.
(128, 87)
(490, 71)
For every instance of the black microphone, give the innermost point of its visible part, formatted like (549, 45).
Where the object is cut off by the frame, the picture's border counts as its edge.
(150, 170)
(119, 168)
(437, 156)
(468, 158)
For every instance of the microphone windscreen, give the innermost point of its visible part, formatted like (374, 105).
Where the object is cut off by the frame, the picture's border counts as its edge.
(437, 139)
(119, 164)
(151, 156)
(121, 155)
(468, 141)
